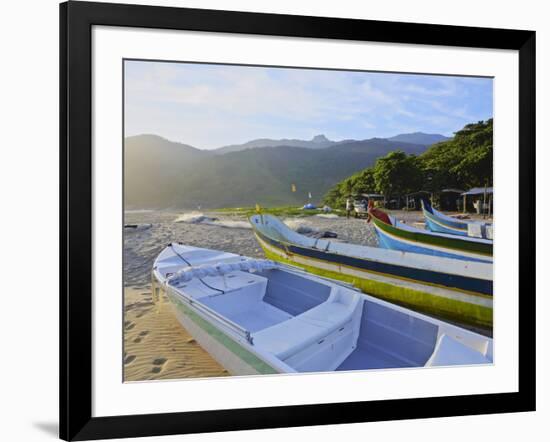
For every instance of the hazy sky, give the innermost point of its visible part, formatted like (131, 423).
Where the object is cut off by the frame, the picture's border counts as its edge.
(209, 106)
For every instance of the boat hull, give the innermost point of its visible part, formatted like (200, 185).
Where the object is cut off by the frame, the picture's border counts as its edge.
(429, 244)
(473, 306)
(231, 354)
(436, 224)
(258, 317)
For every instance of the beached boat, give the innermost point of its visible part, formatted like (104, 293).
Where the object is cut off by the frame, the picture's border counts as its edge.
(439, 222)
(262, 317)
(456, 289)
(393, 234)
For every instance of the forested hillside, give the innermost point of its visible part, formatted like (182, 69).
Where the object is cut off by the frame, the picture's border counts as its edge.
(464, 161)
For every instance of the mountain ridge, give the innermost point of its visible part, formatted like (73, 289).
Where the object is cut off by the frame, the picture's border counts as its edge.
(419, 138)
(161, 174)
(321, 142)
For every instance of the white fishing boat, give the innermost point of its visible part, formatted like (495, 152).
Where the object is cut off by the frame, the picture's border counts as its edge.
(261, 317)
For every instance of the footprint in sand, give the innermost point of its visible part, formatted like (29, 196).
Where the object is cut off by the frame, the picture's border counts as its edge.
(159, 363)
(141, 336)
(145, 304)
(129, 359)
(129, 325)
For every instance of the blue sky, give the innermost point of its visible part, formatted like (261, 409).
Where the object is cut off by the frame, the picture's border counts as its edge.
(208, 106)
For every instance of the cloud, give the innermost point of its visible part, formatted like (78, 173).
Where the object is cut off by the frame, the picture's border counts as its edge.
(213, 105)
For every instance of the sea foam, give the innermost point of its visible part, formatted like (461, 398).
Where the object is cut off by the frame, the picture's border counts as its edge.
(201, 218)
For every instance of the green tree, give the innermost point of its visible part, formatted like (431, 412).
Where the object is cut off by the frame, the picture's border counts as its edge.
(357, 184)
(363, 182)
(397, 174)
(464, 161)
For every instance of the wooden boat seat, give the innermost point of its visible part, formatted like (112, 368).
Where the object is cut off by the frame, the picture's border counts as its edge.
(290, 337)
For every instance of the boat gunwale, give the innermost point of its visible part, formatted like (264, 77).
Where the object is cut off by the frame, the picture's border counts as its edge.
(220, 327)
(439, 221)
(386, 275)
(457, 243)
(286, 242)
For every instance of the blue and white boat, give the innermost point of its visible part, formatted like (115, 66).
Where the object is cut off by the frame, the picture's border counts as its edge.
(455, 289)
(393, 234)
(439, 222)
(261, 317)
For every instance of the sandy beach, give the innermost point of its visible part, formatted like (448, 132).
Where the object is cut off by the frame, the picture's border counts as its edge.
(155, 344)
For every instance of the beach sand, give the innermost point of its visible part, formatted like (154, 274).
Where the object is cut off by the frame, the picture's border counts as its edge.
(156, 346)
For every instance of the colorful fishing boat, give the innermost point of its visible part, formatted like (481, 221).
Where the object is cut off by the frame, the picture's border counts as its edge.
(261, 317)
(439, 222)
(451, 288)
(395, 235)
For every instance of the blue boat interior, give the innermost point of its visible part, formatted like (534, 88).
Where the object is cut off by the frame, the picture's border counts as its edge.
(317, 326)
(293, 293)
(387, 338)
(390, 339)
(311, 324)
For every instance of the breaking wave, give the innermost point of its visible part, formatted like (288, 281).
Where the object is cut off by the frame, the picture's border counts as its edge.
(201, 218)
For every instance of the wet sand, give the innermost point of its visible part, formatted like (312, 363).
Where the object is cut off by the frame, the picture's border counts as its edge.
(156, 346)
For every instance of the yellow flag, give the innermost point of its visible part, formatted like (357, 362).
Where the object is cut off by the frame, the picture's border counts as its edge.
(293, 187)
(258, 208)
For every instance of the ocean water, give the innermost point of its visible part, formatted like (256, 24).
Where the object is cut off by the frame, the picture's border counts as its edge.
(215, 231)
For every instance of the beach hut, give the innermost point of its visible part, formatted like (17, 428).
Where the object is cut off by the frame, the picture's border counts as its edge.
(412, 200)
(478, 199)
(451, 200)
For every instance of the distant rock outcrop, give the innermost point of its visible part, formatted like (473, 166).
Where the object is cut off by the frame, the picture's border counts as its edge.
(317, 142)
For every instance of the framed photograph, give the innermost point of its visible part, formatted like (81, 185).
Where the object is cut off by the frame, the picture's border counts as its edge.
(273, 221)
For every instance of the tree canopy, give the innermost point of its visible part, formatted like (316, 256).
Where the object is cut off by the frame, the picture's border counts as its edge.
(397, 173)
(464, 161)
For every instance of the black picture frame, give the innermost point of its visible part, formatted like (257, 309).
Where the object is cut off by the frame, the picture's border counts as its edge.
(76, 21)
